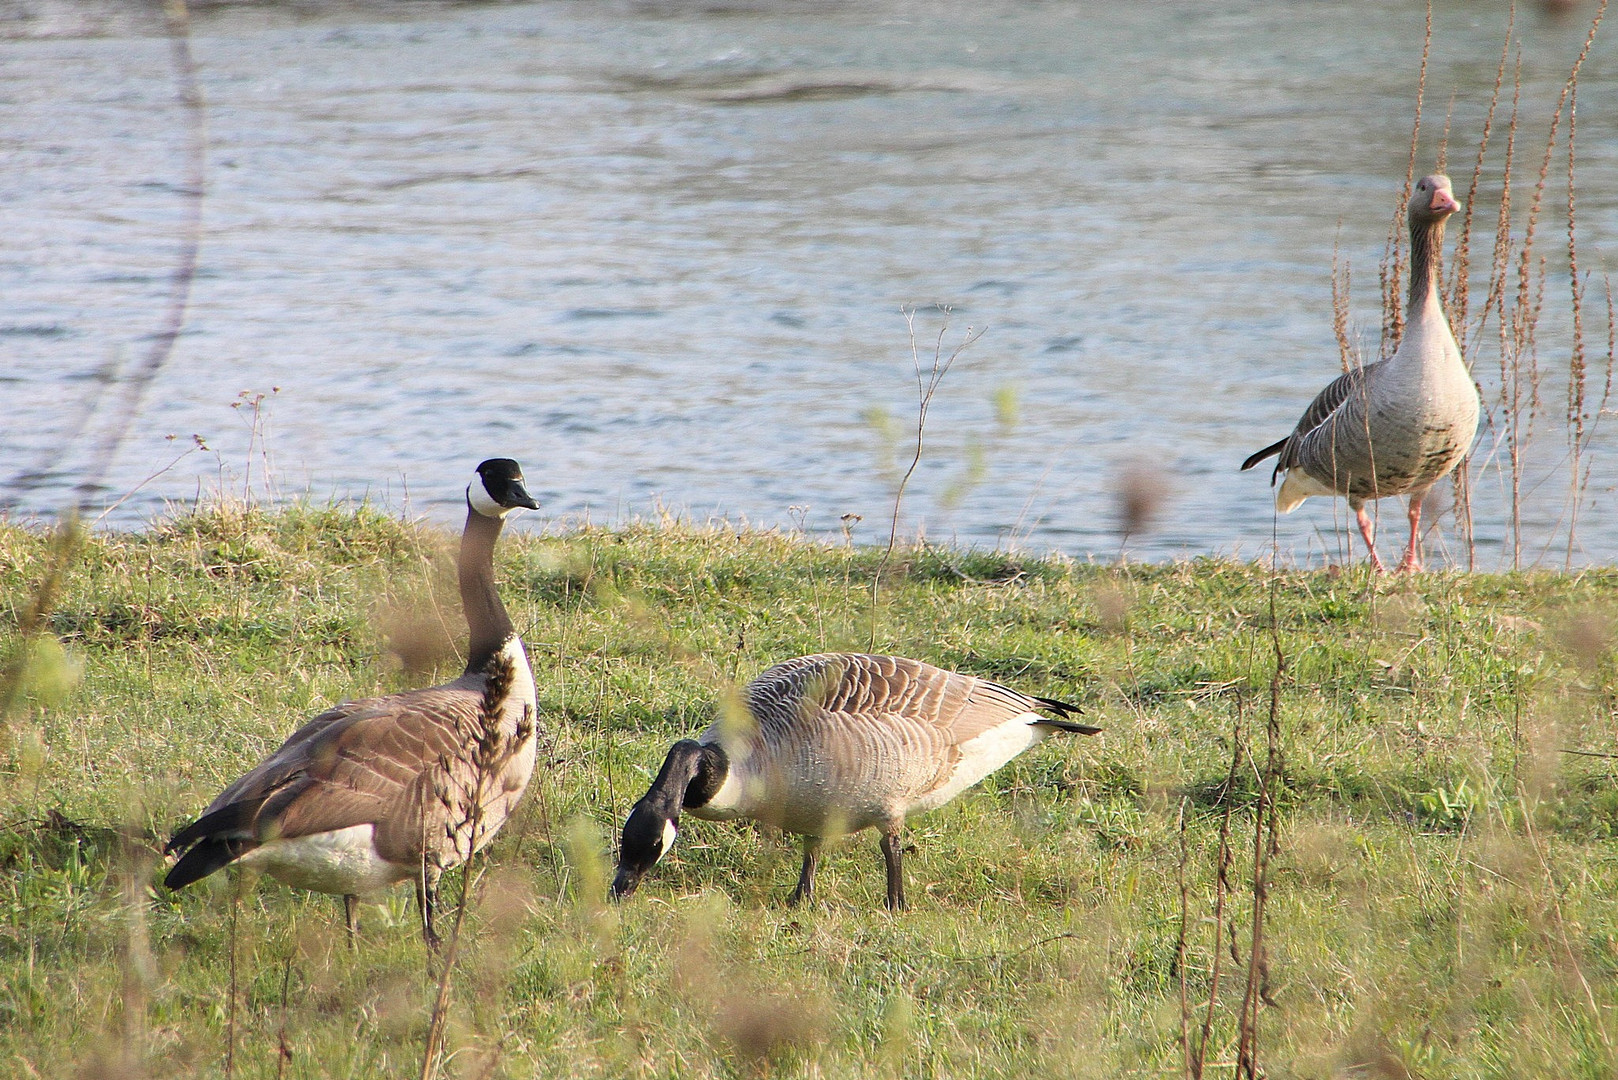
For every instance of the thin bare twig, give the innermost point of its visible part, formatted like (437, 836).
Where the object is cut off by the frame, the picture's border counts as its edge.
(1265, 844)
(283, 1050)
(927, 383)
(1179, 944)
(235, 991)
(493, 751)
(1221, 887)
(69, 534)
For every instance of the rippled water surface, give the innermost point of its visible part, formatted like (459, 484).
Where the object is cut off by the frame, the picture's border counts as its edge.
(661, 253)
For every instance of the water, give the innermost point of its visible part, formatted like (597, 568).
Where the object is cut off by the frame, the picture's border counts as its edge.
(659, 252)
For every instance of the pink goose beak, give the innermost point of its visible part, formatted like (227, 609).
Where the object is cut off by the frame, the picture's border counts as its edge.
(1444, 202)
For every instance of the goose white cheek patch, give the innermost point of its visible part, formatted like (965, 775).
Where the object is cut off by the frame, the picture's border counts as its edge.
(669, 834)
(478, 496)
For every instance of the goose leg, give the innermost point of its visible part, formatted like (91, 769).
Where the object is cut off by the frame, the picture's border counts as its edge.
(426, 902)
(896, 878)
(1412, 560)
(1367, 531)
(806, 877)
(351, 916)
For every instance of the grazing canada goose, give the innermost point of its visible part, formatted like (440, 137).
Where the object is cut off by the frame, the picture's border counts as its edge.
(1394, 427)
(376, 791)
(834, 744)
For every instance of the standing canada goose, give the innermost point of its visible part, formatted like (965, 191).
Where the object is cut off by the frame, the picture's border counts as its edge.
(834, 744)
(405, 786)
(1394, 427)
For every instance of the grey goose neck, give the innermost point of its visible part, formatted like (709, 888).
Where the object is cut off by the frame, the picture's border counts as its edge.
(1426, 241)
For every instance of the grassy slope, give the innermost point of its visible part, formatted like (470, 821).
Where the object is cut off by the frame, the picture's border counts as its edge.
(1442, 901)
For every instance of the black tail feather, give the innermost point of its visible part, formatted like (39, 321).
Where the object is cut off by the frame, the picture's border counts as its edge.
(1060, 708)
(234, 818)
(1069, 725)
(1064, 709)
(206, 857)
(1273, 448)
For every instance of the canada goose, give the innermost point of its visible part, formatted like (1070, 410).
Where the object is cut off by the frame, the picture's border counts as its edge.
(1396, 426)
(834, 744)
(379, 790)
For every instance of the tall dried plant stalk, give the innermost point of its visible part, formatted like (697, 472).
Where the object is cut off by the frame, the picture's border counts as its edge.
(1392, 268)
(1266, 844)
(1499, 275)
(283, 1049)
(1612, 352)
(1180, 941)
(1226, 857)
(1530, 289)
(1576, 372)
(1459, 292)
(1341, 284)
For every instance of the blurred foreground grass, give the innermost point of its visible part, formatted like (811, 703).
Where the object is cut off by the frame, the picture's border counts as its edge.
(1444, 901)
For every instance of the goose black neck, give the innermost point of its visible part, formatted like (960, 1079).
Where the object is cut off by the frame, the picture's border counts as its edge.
(486, 616)
(1426, 241)
(691, 774)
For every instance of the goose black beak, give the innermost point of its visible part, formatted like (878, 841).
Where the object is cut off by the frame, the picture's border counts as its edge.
(519, 496)
(624, 883)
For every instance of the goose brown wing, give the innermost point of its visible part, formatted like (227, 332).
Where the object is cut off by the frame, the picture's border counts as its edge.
(359, 763)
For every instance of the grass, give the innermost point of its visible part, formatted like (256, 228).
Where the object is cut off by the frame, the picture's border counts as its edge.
(1440, 903)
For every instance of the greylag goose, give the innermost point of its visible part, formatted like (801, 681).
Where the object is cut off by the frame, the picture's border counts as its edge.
(1396, 426)
(406, 786)
(833, 744)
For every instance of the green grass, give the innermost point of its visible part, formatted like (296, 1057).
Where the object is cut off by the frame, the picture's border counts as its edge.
(1441, 904)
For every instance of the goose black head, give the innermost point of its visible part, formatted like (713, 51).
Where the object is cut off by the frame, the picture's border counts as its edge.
(497, 489)
(1433, 199)
(690, 776)
(648, 834)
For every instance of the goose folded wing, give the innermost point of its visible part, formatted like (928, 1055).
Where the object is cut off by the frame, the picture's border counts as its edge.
(958, 707)
(352, 765)
(1345, 387)
(372, 768)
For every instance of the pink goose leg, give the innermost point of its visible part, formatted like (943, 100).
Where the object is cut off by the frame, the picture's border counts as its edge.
(1412, 560)
(1370, 544)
